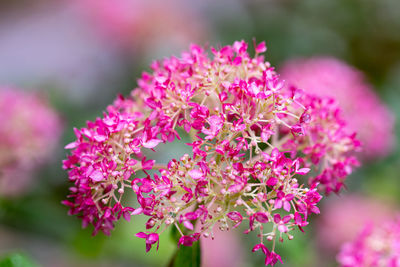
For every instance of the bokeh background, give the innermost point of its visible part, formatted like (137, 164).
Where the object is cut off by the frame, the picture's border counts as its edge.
(80, 54)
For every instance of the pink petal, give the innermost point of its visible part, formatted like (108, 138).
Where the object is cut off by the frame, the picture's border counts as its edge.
(71, 145)
(272, 182)
(141, 235)
(148, 165)
(282, 228)
(151, 143)
(278, 204)
(96, 176)
(261, 47)
(188, 225)
(286, 205)
(261, 217)
(303, 171)
(195, 174)
(137, 211)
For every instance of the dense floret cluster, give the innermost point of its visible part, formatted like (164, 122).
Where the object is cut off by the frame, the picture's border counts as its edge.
(254, 146)
(29, 132)
(376, 245)
(362, 108)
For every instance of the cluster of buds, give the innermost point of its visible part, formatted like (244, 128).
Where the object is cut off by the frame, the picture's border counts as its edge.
(362, 108)
(377, 245)
(260, 153)
(29, 132)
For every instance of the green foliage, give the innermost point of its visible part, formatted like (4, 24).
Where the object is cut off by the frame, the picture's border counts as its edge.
(16, 260)
(187, 256)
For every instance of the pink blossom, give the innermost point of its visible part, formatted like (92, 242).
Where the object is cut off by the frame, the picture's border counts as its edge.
(254, 148)
(261, 47)
(151, 239)
(29, 133)
(362, 108)
(283, 201)
(375, 245)
(272, 258)
(188, 240)
(236, 217)
(261, 217)
(281, 222)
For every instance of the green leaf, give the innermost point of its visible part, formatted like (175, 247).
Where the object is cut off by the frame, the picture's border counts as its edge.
(16, 260)
(187, 256)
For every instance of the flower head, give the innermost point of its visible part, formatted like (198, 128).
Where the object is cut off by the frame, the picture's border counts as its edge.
(254, 146)
(376, 245)
(29, 132)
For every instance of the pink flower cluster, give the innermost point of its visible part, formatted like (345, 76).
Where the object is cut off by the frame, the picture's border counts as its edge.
(253, 145)
(29, 132)
(362, 108)
(377, 245)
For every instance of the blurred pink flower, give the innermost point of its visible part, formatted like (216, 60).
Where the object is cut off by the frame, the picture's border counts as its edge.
(223, 250)
(139, 24)
(376, 245)
(29, 132)
(362, 108)
(344, 216)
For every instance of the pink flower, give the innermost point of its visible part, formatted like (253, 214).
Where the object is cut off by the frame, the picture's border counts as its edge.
(362, 108)
(253, 146)
(151, 239)
(236, 217)
(376, 245)
(281, 222)
(261, 217)
(188, 240)
(29, 133)
(271, 258)
(283, 201)
(261, 47)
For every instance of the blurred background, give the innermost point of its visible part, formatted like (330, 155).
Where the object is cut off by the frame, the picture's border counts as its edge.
(77, 55)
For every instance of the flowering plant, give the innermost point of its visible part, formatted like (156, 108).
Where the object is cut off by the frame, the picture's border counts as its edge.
(29, 132)
(253, 145)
